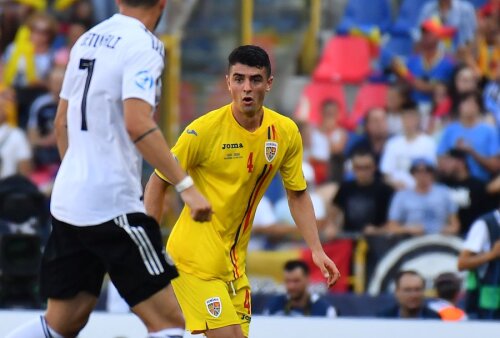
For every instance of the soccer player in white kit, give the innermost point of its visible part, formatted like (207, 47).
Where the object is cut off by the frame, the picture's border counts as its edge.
(103, 124)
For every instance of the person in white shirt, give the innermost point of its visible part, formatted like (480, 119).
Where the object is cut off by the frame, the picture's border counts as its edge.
(401, 150)
(15, 150)
(103, 125)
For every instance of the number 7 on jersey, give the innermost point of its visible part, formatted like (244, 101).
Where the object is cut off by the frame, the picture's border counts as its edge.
(89, 66)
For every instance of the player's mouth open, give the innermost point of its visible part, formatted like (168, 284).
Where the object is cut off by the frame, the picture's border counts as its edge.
(247, 100)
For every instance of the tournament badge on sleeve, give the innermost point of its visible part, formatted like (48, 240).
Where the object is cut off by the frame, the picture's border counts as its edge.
(271, 150)
(214, 306)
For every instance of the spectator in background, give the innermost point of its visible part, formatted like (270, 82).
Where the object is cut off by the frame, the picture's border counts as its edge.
(448, 287)
(284, 216)
(267, 231)
(464, 80)
(397, 97)
(15, 150)
(316, 150)
(402, 149)
(429, 65)
(337, 138)
(468, 193)
(410, 298)
(361, 205)
(459, 14)
(479, 140)
(481, 256)
(42, 135)
(484, 55)
(298, 302)
(491, 97)
(28, 61)
(425, 209)
(375, 134)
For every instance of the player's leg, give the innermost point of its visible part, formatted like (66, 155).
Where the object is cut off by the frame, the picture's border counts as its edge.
(207, 306)
(71, 279)
(139, 269)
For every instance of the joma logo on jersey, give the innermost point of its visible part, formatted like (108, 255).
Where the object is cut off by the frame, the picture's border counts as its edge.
(214, 306)
(232, 145)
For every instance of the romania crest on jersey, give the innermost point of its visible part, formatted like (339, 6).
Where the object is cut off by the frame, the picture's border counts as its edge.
(214, 306)
(271, 150)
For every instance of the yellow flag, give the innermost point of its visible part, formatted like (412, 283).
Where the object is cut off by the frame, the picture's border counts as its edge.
(61, 5)
(23, 50)
(38, 4)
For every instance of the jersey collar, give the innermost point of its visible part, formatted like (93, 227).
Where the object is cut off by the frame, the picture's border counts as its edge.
(128, 20)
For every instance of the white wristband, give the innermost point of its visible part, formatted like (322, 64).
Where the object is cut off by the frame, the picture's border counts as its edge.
(185, 183)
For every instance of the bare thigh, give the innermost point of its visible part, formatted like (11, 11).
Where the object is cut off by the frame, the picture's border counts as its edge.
(231, 331)
(68, 316)
(160, 311)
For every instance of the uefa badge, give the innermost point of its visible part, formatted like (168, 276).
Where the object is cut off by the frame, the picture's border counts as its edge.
(214, 306)
(271, 150)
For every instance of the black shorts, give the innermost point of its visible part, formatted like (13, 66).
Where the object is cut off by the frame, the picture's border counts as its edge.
(129, 248)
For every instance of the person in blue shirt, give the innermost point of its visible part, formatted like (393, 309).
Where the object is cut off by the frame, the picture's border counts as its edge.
(298, 302)
(410, 287)
(470, 134)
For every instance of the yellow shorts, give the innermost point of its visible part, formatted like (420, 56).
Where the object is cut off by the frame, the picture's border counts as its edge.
(212, 304)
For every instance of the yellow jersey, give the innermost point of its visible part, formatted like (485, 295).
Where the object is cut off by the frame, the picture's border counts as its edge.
(232, 168)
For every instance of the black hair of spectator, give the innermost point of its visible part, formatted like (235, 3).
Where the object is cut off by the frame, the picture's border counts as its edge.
(403, 273)
(409, 106)
(452, 88)
(361, 152)
(447, 286)
(250, 55)
(297, 264)
(140, 3)
(474, 95)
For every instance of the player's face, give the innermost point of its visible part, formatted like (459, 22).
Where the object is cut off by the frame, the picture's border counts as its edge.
(248, 87)
(295, 283)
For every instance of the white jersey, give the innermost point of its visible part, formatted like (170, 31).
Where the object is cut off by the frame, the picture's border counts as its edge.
(100, 175)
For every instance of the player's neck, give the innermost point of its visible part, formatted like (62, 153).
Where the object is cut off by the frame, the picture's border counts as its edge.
(145, 16)
(249, 121)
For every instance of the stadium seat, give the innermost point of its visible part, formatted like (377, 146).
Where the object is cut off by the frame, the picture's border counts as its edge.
(314, 94)
(345, 59)
(370, 95)
(407, 19)
(362, 13)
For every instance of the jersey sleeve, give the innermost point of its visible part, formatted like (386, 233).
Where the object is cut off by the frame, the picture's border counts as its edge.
(187, 150)
(291, 170)
(142, 75)
(477, 237)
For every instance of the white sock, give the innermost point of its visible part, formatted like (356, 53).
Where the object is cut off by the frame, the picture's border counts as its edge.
(167, 333)
(37, 328)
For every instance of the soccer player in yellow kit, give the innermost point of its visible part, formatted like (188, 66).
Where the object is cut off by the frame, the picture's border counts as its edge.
(232, 154)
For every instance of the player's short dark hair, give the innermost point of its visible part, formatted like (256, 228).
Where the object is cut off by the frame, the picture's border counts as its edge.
(447, 286)
(403, 273)
(250, 55)
(297, 264)
(140, 3)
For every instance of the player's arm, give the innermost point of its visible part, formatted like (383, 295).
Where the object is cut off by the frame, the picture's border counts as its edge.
(302, 211)
(154, 195)
(61, 127)
(469, 260)
(148, 139)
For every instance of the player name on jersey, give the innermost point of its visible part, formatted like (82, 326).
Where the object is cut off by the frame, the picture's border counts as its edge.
(97, 40)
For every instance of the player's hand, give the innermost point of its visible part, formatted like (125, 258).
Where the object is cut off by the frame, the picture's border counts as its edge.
(201, 210)
(327, 267)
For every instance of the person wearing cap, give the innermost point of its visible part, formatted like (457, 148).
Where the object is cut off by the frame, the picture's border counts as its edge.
(425, 209)
(448, 286)
(457, 14)
(430, 64)
(480, 256)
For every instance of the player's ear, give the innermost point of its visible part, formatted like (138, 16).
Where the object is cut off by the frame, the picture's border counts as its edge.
(269, 83)
(228, 82)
